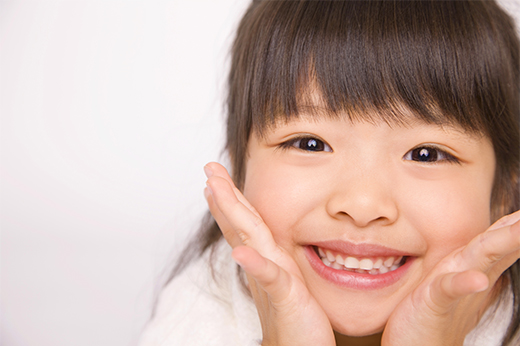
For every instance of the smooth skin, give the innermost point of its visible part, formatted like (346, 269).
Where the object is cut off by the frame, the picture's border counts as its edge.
(365, 186)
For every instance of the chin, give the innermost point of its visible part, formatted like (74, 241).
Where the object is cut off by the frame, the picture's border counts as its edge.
(358, 328)
(357, 317)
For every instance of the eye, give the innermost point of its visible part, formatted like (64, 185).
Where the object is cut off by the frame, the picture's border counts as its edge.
(429, 154)
(307, 144)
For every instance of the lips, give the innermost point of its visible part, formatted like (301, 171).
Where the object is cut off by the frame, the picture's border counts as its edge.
(358, 266)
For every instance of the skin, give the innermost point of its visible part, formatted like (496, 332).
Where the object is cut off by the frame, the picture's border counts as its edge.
(366, 188)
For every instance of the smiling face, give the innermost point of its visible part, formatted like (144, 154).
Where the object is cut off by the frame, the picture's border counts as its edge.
(348, 199)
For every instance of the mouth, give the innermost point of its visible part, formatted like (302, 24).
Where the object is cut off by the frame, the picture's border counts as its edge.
(360, 267)
(373, 265)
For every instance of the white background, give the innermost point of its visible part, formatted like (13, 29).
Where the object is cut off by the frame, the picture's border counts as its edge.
(109, 110)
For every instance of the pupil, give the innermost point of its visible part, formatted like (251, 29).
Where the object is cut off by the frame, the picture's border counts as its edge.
(425, 155)
(312, 144)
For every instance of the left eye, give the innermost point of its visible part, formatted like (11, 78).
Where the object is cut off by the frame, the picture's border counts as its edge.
(428, 154)
(308, 144)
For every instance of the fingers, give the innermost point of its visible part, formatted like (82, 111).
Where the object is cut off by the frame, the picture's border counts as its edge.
(238, 220)
(275, 281)
(216, 169)
(447, 289)
(227, 230)
(507, 220)
(496, 249)
(484, 259)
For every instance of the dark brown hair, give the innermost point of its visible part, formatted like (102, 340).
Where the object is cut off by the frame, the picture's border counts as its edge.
(451, 62)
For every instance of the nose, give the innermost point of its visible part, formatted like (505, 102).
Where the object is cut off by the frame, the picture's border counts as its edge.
(364, 197)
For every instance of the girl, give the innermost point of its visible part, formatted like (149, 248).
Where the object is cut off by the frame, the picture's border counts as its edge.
(372, 145)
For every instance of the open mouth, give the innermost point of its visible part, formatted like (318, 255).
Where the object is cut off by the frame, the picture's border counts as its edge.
(363, 265)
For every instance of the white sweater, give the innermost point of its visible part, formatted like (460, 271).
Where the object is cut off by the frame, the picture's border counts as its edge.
(196, 310)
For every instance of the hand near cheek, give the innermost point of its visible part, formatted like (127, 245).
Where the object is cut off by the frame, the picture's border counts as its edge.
(288, 313)
(446, 306)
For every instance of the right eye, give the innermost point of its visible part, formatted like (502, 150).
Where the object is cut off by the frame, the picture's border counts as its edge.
(307, 144)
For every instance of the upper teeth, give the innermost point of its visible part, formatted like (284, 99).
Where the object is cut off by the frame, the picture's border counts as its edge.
(372, 265)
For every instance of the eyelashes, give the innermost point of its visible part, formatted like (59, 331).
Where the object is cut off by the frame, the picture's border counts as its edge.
(429, 154)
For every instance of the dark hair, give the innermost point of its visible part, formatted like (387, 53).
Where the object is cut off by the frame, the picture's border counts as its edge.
(451, 62)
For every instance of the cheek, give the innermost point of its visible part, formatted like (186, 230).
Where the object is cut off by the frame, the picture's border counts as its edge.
(449, 215)
(282, 198)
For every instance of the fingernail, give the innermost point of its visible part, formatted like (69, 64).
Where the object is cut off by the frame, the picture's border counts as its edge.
(481, 289)
(207, 192)
(240, 264)
(208, 171)
(237, 261)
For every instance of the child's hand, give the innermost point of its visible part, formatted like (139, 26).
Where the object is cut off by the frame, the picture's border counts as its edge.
(288, 313)
(449, 302)
(442, 310)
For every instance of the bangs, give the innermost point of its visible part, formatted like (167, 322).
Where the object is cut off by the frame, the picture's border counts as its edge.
(372, 60)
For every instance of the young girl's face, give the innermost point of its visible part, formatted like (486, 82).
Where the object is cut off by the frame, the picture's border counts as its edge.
(367, 209)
